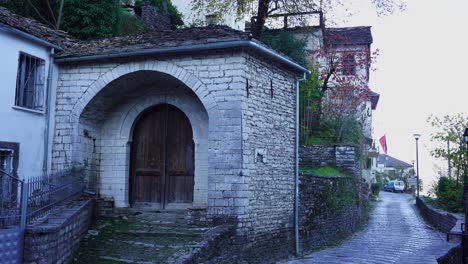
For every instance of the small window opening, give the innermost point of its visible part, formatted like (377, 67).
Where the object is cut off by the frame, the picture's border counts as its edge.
(30, 83)
(349, 65)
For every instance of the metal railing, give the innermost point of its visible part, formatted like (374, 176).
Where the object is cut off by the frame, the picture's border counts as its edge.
(12, 195)
(44, 193)
(41, 194)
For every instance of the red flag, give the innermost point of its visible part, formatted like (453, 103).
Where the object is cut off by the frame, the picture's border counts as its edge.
(383, 143)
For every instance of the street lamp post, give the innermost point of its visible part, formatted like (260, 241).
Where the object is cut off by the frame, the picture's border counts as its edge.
(416, 137)
(465, 194)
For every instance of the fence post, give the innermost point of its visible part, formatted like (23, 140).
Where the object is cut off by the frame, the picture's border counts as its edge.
(24, 204)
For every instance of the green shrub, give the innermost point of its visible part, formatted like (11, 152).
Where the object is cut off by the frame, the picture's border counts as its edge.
(376, 187)
(129, 24)
(284, 42)
(449, 194)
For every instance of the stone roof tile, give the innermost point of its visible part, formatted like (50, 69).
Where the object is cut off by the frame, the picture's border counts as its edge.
(35, 28)
(349, 35)
(156, 39)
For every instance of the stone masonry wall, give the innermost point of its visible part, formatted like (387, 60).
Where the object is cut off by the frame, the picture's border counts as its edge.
(55, 240)
(251, 144)
(344, 157)
(216, 79)
(268, 133)
(442, 220)
(329, 210)
(446, 222)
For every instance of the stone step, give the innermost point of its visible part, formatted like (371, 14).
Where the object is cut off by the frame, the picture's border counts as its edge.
(155, 233)
(166, 217)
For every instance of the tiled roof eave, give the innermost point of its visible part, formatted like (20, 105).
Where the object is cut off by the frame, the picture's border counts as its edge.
(15, 31)
(70, 57)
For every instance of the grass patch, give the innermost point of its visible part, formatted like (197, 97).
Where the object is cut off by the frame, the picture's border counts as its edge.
(326, 171)
(433, 202)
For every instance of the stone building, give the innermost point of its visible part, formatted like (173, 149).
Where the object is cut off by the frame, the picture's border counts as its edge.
(195, 118)
(199, 117)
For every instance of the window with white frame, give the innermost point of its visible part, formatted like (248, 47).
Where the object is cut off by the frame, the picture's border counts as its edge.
(30, 83)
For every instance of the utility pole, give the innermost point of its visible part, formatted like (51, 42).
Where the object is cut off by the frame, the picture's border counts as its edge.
(448, 160)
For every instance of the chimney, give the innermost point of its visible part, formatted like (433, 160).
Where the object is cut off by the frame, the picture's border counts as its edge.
(154, 18)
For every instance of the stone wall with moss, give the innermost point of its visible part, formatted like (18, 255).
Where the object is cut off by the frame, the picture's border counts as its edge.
(344, 157)
(330, 209)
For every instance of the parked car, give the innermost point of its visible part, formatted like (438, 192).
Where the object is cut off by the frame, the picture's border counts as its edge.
(395, 186)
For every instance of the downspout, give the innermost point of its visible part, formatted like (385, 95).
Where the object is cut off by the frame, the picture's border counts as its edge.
(296, 176)
(48, 112)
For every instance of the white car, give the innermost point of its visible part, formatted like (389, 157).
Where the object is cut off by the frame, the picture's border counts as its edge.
(395, 186)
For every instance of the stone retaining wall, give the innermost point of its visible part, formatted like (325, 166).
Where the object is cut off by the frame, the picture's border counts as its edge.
(329, 210)
(55, 239)
(445, 222)
(344, 157)
(442, 220)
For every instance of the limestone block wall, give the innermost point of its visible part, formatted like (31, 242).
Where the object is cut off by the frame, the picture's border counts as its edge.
(344, 157)
(268, 134)
(216, 80)
(329, 210)
(55, 240)
(442, 220)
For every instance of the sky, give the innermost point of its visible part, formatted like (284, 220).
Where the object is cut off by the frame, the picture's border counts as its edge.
(421, 70)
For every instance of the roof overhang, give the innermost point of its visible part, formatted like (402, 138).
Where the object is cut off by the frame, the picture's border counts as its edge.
(15, 31)
(167, 51)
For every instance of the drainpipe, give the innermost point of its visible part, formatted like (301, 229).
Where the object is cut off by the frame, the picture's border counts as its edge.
(48, 112)
(296, 176)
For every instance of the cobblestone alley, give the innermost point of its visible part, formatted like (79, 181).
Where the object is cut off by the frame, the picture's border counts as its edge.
(396, 233)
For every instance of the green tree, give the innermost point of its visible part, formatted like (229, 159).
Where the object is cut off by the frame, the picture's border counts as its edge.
(88, 19)
(91, 19)
(262, 8)
(450, 129)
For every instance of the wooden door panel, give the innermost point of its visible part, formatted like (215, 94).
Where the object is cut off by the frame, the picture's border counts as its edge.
(180, 158)
(180, 189)
(162, 157)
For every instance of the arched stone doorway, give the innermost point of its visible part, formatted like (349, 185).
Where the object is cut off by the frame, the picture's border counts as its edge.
(162, 159)
(110, 119)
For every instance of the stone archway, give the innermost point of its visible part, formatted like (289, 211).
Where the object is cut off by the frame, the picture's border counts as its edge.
(109, 118)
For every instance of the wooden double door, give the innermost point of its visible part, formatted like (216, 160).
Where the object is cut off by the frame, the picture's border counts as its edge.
(162, 159)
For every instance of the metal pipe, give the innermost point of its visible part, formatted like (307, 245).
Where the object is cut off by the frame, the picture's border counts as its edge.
(296, 176)
(417, 168)
(23, 34)
(48, 113)
(192, 48)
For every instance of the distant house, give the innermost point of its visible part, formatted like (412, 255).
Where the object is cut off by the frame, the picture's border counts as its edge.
(392, 166)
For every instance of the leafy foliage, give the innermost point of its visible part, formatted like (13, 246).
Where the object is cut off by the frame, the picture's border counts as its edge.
(450, 129)
(129, 24)
(263, 8)
(449, 194)
(376, 187)
(285, 43)
(91, 19)
(88, 19)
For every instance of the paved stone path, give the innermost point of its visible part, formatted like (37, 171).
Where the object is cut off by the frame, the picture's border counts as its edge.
(396, 233)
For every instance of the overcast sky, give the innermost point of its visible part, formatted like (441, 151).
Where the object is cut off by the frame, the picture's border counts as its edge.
(422, 70)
